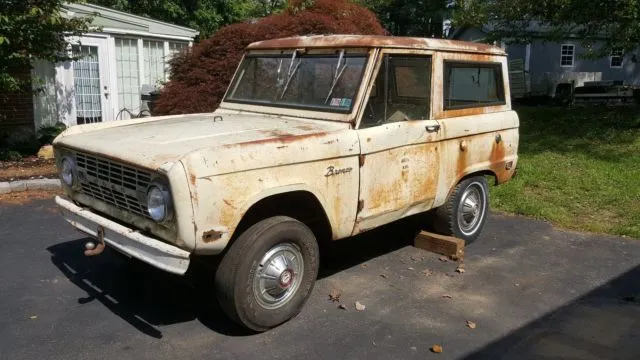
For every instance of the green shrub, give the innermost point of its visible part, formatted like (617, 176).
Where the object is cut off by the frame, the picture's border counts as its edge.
(9, 155)
(46, 134)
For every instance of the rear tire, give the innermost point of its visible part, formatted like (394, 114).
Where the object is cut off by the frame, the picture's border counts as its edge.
(465, 212)
(268, 273)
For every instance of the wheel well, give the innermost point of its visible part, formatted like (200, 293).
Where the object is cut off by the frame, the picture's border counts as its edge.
(482, 173)
(300, 205)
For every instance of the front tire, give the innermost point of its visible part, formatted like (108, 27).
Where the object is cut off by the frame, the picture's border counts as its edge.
(268, 273)
(465, 212)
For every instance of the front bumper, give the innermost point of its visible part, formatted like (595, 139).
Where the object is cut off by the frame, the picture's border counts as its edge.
(126, 240)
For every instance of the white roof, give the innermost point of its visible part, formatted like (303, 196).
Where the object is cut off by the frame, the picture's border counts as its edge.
(113, 21)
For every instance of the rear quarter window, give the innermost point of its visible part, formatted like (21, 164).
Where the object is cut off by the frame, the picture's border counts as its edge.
(468, 85)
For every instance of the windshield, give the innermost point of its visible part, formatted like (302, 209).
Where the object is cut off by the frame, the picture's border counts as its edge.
(326, 82)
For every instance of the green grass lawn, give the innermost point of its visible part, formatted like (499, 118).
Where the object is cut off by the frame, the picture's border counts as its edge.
(579, 168)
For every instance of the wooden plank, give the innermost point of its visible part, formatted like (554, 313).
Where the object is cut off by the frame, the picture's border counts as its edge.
(440, 244)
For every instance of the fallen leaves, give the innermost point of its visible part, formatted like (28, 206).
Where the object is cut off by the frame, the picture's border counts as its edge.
(334, 295)
(436, 348)
(383, 276)
(471, 324)
(447, 296)
(342, 307)
(427, 272)
(443, 258)
(359, 306)
(460, 269)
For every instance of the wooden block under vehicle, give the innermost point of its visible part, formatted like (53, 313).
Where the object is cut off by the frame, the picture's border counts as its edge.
(440, 244)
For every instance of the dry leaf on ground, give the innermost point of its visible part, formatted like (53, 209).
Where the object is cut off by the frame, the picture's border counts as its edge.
(471, 324)
(359, 306)
(427, 272)
(383, 276)
(443, 258)
(334, 295)
(460, 269)
(342, 307)
(447, 296)
(436, 348)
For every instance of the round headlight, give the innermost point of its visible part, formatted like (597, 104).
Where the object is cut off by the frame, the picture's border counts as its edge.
(68, 168)
(158, 203)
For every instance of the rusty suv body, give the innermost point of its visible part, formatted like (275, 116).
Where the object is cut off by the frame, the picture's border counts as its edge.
(388, 131)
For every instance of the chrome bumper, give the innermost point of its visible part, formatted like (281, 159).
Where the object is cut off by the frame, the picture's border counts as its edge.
(126, 240)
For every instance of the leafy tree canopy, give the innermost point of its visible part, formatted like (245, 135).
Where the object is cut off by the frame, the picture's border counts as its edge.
(614, 23)
(410, 17)
(199, 77)
(32, 29)
(206, 16)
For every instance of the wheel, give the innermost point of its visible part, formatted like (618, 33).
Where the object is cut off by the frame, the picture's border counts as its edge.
(268, 273)
(465, 212)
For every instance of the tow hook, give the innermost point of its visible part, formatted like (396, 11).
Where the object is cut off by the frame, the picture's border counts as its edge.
(91, 249)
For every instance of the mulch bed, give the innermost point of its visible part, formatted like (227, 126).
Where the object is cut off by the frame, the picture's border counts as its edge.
(28, 168)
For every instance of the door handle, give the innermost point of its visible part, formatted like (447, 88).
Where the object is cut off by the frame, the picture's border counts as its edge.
(433, 128)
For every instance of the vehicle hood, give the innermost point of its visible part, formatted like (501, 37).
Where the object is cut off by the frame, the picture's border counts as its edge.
(153, 142)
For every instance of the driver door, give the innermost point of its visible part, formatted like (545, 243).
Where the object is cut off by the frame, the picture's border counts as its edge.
(398, 142)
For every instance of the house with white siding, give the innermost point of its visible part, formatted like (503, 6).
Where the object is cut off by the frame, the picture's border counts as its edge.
(550, 65)
(125, 58)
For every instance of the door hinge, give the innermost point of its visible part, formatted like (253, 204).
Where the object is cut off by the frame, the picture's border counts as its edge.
(361, 159)
(360, 205)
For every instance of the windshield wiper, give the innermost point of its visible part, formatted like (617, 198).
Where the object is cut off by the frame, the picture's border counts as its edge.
(291, 73)
(337, 75)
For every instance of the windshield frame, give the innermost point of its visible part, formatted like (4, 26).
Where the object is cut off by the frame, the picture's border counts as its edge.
(318, 112)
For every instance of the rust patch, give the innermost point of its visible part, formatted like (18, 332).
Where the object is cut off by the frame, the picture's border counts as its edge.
(498, 164)
(461, 164)
(192, 179)
(278, 137)
(497, 151)
(361, 159)
(359, 41)
(305, 127)
(211, 236)
(229, 203)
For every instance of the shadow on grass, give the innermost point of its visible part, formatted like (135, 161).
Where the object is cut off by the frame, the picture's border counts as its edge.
(603, 324)
(147, 298)
(599, 131)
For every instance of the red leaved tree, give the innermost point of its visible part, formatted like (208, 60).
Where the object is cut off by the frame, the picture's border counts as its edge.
(199, 77)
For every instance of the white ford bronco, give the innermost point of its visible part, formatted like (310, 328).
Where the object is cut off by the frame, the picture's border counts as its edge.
(317, 138)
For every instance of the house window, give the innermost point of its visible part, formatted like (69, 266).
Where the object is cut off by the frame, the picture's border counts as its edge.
(472, 85)
(176, 47)
(153, 62)
(567, 55)
(127, 75)
(617, 57)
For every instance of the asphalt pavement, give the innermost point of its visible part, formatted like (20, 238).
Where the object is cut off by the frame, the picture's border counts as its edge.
(532, 292)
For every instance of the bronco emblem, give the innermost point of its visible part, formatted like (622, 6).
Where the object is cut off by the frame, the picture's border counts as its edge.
(331, 170)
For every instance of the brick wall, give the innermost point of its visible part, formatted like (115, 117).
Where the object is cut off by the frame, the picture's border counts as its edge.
(16, 109)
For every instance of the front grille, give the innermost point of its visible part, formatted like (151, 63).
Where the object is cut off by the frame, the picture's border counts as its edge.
(114, 183)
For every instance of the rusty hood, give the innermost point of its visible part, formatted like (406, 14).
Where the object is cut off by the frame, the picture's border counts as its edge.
(152, 142)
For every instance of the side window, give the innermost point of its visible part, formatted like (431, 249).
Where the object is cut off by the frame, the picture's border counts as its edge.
(400, 92)
(472, 85)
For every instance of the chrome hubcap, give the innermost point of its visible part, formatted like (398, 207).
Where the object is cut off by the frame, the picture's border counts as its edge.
(471, 209)
(278, 275)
